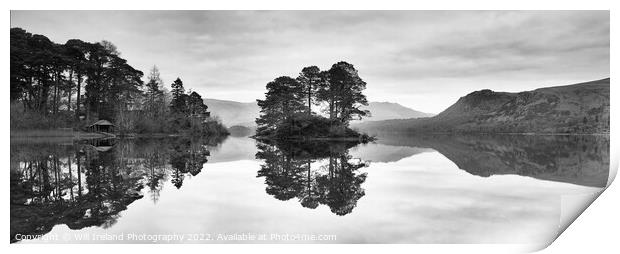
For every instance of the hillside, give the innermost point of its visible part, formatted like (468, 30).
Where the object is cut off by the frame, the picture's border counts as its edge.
(578, 108)
(388, 110)
(234, 113)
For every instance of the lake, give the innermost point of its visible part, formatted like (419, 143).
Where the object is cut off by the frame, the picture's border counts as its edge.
(399, 189)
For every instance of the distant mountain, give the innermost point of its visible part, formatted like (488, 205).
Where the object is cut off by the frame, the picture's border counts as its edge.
(234, 113)
(388, 110)
(578, 108)
(244, 114)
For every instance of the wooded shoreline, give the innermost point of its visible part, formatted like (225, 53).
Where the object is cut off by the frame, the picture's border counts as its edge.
(79, 84)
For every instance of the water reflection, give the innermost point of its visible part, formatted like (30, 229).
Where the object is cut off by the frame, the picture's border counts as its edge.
(576, 159)
(431, 188)
(89, 183)
(314, 173)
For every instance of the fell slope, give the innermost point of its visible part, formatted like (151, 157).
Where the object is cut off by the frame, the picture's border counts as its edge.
(389, 110)
(578, 108)
(234, 113)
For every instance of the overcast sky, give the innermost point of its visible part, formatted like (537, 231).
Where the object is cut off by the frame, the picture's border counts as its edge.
(424, 60)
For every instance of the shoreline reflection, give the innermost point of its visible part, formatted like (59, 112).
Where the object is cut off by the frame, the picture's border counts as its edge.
(89, 183)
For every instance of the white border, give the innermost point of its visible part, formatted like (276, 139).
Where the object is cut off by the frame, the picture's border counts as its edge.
(594, 231)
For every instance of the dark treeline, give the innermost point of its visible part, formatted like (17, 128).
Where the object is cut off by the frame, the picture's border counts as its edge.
(317, 104)
(313, 172)
(60, 184)
(77, 83)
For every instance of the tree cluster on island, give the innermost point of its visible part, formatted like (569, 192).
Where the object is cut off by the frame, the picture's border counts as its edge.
(74, 84)
(287, 111)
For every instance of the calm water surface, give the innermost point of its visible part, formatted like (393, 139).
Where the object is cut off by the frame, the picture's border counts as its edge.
(400, 189)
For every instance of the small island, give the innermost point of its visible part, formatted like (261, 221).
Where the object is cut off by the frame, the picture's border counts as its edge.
(287, 112)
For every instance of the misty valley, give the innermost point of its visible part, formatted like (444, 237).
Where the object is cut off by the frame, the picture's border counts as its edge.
(435, 188)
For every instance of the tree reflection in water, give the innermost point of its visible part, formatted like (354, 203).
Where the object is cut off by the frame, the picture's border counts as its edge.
(315, 173)
(89, 183)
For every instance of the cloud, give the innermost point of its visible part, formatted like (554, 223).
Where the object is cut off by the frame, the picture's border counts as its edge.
(224, 52)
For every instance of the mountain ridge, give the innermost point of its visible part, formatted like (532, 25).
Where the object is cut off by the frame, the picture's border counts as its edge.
(233, 113)
(383, 110)
(576, 108)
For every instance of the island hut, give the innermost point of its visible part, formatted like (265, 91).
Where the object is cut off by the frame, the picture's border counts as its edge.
(101, 126)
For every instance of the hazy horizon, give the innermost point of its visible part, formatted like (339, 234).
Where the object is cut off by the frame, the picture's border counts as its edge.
(424, 60)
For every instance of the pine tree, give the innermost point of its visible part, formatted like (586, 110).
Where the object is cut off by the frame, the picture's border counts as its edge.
(343, 93)
(196, 105)
(284, 97)
(154, 94)
(179, 98)
(310, 78)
